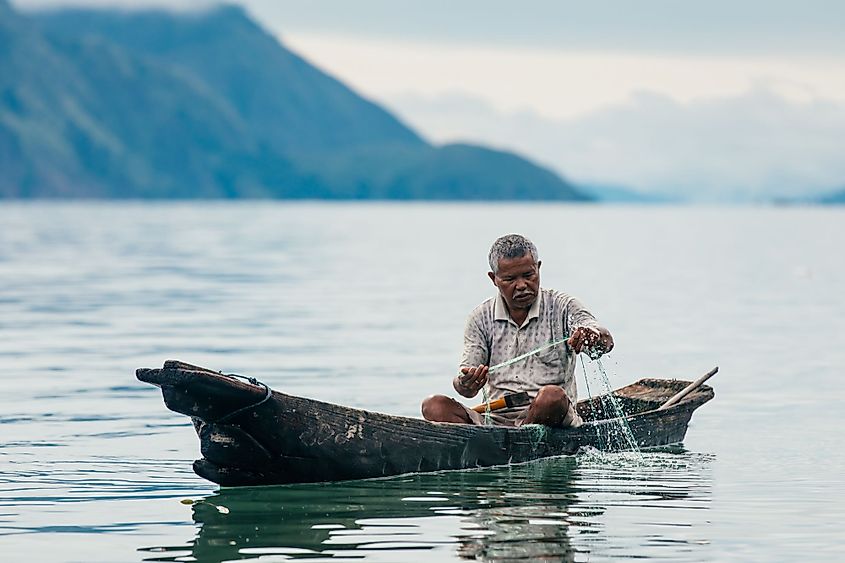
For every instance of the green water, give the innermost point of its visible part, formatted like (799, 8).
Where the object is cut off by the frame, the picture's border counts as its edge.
(542, 509)
(364, 305)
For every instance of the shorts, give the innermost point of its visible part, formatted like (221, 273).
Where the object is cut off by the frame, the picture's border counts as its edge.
(515, 417)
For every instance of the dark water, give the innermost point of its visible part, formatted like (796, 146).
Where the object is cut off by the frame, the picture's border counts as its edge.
(364, 305)
(553, 509)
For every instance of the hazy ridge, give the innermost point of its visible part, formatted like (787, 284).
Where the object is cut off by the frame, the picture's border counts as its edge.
(152, 104)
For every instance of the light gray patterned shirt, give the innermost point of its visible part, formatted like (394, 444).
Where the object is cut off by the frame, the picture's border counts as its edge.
(491, 337)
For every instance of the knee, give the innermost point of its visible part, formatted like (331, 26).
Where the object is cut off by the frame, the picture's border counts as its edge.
(552, 397)
(436, 408)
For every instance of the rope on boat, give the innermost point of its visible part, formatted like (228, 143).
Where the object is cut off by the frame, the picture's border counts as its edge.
(488, 419)
(529, 354)
(267, 394)
(537, 434)
(627, 441)
(592, 406)
(593, 352)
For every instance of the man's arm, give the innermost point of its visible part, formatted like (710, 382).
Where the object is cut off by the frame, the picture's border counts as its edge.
(474, 360)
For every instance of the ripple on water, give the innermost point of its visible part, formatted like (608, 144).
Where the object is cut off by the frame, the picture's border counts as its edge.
(346, 303)
(548, 508)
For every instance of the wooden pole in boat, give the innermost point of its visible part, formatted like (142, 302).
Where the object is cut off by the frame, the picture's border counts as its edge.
(688, 389)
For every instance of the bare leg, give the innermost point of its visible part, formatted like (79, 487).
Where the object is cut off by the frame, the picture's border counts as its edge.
(440, 408)
(549, 407)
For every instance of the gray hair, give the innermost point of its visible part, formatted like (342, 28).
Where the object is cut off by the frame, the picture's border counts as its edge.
(511, 246)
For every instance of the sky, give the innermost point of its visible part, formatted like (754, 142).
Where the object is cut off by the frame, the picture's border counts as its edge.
(718, 100)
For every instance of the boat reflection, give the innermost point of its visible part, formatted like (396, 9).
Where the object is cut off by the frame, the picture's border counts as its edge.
(530, 511)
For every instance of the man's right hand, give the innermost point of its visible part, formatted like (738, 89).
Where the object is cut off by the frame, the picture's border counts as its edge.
(471, 380)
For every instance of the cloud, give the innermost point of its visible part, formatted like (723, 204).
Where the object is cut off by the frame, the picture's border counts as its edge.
(559, 84)
(754, 146)
(750, 27)
(172, 5)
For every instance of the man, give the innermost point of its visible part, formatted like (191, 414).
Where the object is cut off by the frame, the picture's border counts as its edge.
(519, 319)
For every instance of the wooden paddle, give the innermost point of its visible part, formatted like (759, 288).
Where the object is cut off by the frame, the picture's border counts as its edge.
(509, 401)
(688, 389)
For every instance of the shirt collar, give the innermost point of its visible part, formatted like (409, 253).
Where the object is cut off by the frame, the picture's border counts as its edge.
(500, 310)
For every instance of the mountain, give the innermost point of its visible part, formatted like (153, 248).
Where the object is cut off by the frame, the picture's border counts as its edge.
(82, 117)
(616, 194)
(153, 104)
(834, 198)
(284, 100)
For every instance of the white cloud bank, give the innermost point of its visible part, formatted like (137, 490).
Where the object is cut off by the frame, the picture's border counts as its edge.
(717, 128)
(560, 83)
(754, 146)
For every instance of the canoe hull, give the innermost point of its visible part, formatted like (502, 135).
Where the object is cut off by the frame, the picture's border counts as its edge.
(274, 438)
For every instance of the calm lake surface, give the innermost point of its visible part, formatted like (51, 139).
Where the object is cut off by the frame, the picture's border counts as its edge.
(364, 304)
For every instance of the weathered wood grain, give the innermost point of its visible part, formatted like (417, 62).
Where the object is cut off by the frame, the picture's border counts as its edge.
(289, 439)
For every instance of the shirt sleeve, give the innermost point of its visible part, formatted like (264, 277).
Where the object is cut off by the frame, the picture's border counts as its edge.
(476, 351)
(576, 315)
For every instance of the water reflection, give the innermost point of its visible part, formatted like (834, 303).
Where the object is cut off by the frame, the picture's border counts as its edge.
(562, 509)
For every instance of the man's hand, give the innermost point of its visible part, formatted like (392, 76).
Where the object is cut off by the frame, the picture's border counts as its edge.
(471, 381)
(594, 342)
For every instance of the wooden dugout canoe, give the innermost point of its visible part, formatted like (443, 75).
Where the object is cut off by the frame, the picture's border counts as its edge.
(251, 435)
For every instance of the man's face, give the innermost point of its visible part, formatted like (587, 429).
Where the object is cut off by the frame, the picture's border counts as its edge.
(518, 280)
